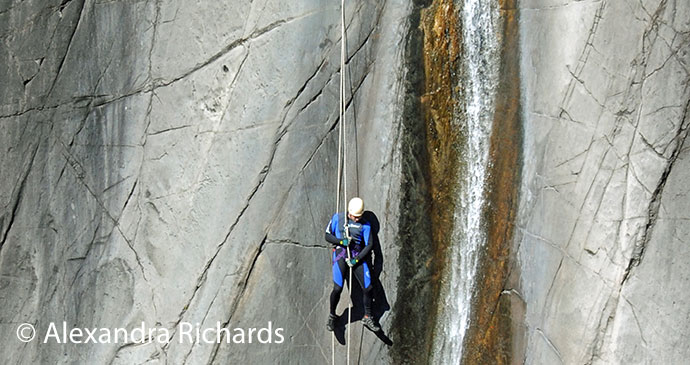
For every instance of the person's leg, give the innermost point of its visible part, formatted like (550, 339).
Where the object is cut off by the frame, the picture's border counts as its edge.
(335, 297)
(338, 271)
(363, 276)
(337, 284)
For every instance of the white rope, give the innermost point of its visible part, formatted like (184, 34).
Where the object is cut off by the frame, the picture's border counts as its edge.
(343, 50)
(342, 175)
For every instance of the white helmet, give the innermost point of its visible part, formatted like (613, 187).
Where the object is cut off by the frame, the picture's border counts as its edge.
(356, 207)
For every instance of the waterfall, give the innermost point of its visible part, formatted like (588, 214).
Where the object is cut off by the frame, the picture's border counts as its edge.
(479, 73)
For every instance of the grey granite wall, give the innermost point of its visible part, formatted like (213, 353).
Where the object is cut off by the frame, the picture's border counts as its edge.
(172, 162)
(603, 248)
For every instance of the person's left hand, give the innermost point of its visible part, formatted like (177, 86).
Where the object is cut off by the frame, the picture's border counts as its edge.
(351, 262)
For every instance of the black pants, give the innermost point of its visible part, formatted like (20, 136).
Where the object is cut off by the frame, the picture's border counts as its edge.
(361, 272)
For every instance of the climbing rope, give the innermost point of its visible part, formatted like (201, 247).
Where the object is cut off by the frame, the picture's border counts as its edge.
(342, 175)
(343, 49)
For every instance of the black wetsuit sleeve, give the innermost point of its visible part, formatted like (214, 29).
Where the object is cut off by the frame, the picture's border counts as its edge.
(332, 239)
(368, 244)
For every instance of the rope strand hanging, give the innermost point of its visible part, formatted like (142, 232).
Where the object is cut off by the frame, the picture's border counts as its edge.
(343, 50)
(342, 173)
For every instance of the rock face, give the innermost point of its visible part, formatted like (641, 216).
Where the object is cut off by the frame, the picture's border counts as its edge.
(602, 248)
(172, 162)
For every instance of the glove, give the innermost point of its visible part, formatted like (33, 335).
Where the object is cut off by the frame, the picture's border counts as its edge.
(351, 262)
(344, 242)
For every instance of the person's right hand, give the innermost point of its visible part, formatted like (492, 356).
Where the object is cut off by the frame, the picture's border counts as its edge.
(344, 242)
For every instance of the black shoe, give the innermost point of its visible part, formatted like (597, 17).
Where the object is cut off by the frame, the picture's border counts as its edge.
(369, 323)
(330, 325)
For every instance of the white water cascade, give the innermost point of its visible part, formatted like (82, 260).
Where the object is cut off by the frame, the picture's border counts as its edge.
(479, 64)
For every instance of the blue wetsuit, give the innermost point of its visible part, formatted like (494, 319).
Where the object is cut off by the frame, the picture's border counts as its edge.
(360, 245)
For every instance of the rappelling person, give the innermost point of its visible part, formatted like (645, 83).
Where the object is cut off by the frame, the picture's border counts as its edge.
(354, 234)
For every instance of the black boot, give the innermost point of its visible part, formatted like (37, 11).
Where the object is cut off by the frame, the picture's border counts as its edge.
(330, 325)
(369, 323)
